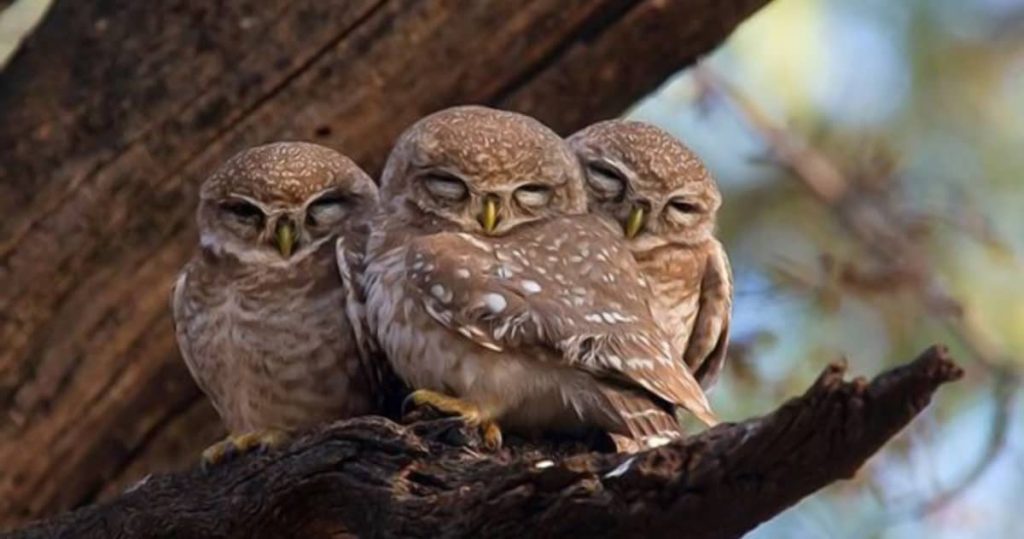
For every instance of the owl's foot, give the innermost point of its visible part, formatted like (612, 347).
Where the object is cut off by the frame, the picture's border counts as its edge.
(238, 444)
(467, 411)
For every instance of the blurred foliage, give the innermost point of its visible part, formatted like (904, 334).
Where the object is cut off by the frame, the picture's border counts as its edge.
(919, 104)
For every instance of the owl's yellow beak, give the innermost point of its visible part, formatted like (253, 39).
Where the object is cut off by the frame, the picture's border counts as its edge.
(284, 237)
(488, 217)
(634, 222)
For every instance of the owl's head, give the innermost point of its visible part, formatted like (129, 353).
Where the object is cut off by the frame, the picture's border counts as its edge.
(278, 203)
(481, 170)
(645, 179)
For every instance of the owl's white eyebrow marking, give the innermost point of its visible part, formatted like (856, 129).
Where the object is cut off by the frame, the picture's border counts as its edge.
(530, 286)
(596, 317)
(495, 302)
(609, 317)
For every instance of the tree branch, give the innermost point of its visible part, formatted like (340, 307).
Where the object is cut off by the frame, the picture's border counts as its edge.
(372, 477)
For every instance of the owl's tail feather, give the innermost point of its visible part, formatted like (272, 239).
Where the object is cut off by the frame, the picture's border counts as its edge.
(646, 423)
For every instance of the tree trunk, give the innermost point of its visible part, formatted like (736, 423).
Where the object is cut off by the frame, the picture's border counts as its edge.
(369, 477)
(112, 113)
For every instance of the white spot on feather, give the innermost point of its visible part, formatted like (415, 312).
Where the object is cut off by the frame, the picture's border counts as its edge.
(621, 469)
(441, 293)
(657, 441)
(615, 361)
(530, 286)
(640, 364)
(495, 302)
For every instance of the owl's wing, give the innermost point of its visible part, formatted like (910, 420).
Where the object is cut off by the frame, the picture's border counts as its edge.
(349, 261)
(647, 423)
(706, 347)
(563, 290)
(387, 388)
(180, 314)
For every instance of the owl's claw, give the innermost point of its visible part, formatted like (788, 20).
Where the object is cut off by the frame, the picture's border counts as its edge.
(490, 432)
(239, 444)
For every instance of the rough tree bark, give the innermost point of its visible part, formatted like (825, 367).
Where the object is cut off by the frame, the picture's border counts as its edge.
(371, 477)
(112, 112)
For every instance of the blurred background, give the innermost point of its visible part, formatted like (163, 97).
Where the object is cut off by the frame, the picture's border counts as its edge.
(914, 111)
(871, 156)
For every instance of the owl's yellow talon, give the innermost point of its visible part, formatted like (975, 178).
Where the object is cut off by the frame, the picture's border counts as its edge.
(467, 411)
(491, 434)
(242, 443)
(442, 403)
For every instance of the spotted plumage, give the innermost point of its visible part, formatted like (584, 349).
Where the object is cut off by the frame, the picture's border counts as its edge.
(485, 282)
(261, 312)
(665, 200)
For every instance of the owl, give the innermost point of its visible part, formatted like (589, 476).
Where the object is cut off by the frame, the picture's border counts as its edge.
(260, 312)
(499, 300)
(665, 200)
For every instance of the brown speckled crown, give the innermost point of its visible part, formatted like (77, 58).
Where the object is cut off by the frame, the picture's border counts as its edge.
(493, 146)
(661, 162)
(285, 173)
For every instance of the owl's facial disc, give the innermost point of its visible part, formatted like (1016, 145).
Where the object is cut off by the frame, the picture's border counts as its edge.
(655, 187)
(269, 232)
(612, 194)
(243, 217)
(277, 204)
(502, 209)
(482, 205)
(272, 234)
(482, 171)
